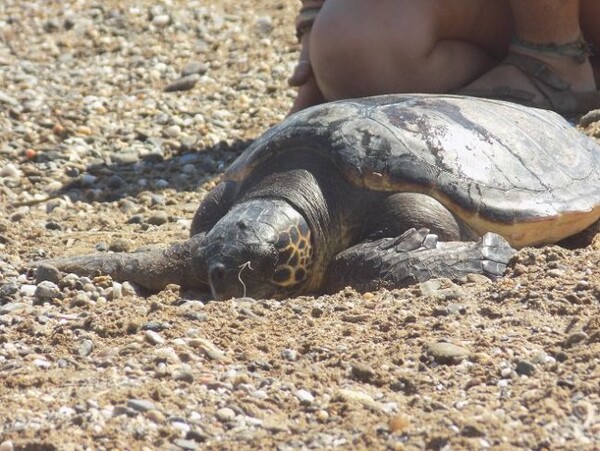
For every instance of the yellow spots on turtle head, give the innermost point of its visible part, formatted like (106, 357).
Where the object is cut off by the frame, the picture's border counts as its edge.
(295, 256)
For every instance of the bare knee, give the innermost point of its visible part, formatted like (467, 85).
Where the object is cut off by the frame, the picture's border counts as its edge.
(363, 48)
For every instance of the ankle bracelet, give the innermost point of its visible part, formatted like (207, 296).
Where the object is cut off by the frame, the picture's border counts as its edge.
(580, 50)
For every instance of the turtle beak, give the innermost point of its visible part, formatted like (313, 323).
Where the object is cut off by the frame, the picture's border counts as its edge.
(228, 281)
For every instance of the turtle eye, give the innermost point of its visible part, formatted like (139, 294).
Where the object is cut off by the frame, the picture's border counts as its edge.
(294, 256)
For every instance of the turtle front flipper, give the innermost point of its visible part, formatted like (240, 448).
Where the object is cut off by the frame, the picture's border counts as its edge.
(152, 270)
(416, 256)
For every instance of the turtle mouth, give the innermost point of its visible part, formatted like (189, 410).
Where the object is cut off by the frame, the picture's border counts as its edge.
(238, 281)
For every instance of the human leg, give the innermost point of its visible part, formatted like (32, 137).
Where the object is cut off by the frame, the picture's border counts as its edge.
(360, 48)
(547, 39)
(590, 24)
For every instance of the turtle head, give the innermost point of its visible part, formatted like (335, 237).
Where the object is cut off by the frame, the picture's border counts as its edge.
(261, 248)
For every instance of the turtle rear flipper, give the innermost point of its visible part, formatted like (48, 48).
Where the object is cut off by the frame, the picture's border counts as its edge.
(152, 270)
(416, 256)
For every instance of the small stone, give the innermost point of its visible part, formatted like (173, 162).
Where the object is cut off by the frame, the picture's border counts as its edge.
(140, 405)
(46, 272)
(85, 348)
(12, 307)
(362, 372)
(189, 169)
(8, 290)
(556, 273)
(47, 290)
(575, 338)
(447, 353)
(136, 219)
(115, 182)
(398, 423)
(88, 179)
(183, 84)
(10, 171)
(289, 355)
(360, 397)
(322, 416)
(194, 68)
(173, 131)
(316, 312)
(181, 425)
(7, 445)
(80, 300)
(225, 415)
(472, 430)
(158, 218)
(207, 347)
(155, 416)
(259, 394)
(525, 368)
(264, 25)
(117, 291)
(125, 158)
(305, 396)
(161, 21)
(161, 184)
(186, 444)
(128, 289)
(183, 376)
(8, 100)
(431, 286)
(42, 364)
(589, 118)
(28, 290)
(153, 338)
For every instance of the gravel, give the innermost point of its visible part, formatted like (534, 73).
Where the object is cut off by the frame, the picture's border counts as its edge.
(117, 118)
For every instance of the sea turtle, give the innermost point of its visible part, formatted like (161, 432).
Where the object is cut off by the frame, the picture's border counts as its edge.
(379, 192)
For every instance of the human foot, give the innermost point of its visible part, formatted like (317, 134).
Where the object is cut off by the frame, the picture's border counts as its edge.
(563, 83)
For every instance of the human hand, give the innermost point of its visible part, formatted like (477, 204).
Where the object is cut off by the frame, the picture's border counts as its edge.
(308, 91)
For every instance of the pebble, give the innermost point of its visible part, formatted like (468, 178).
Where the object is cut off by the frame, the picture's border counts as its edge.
(80, 300)
(10, 171)
(194, 68)
(140, 405)
(125, 158)
(525, 368)
(447, 353)
(575, 338)
(173, 131)
(28, 290)
(398, 424)
(158, 218)
(161, 20)
(305, 396)
(12, 307)
(186, 444)
(155, 416)
(183, 84)
(589, 118)
(289, 355)
(207, 347)
(154, 338)
(128, 289)
(47, 290)
(83, 112)
(8, 100)
(362, 372)
(85, 348)
(225, 415)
